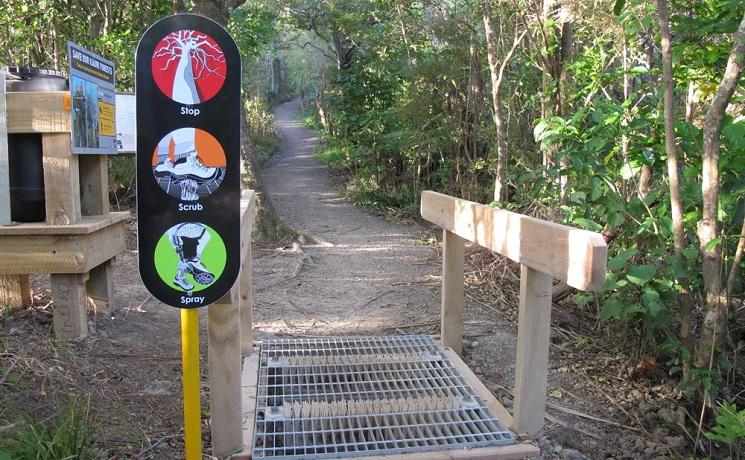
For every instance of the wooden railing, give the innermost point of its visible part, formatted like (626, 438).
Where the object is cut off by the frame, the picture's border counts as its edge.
(230, 335)
(545, 251)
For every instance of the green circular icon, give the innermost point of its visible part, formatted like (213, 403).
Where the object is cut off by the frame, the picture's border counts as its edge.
(190, 257)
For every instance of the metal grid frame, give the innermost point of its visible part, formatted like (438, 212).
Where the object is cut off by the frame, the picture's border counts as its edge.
(357, 373)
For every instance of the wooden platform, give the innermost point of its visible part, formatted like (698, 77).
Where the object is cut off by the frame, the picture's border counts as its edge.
(75, 248)
(87, 224)
(517, 451)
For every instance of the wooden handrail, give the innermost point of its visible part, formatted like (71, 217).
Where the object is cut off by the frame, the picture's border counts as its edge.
(545, 251)
(575, 256)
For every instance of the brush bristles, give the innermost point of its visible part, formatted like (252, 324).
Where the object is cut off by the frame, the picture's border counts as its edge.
(305, 409)
(332, 360)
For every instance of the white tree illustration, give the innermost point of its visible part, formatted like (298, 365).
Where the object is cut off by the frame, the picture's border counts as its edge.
(195, 57)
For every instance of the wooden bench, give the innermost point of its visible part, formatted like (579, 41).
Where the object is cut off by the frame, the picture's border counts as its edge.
(545, 251)
(80, 238)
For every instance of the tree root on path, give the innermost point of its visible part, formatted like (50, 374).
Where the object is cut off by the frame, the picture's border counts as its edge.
(304, 236)
(367, 304)
(303, 257)
(304, 311)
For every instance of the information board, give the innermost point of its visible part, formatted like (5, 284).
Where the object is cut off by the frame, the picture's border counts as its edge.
(188, 75)
(92, 80)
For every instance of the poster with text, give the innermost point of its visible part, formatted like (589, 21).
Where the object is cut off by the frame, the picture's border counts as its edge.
(93, 102)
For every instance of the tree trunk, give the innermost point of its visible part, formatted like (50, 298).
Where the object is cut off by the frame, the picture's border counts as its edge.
(715, 312)
(645, 176)
(342, 49)
(673, 172)
(736, 262)
(328, 128)
(690, 102)
(218, 10)
(645, 181)
(491, 49)
(567, 41)
(628, 86)
(179, 6)
(553, 70)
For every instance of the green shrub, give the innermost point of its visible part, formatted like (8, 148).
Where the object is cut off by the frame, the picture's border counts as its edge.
(310, 122)
(261, 128)
(729, 428)
(122, 175)
(730, 425)
(67, 435)
(334, 157)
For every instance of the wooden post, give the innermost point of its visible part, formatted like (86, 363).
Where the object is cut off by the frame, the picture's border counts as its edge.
(451, 315)
(229, 336)
(100, 287)
(246, 306)
(15, 291)
(70, 313)
(248, 211)
(224, 349)
(4, 165)
(94, 185)
(61, 179)
(531, 370)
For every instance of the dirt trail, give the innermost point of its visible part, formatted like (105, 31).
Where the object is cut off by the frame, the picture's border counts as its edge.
(355, 274)
(363, 274)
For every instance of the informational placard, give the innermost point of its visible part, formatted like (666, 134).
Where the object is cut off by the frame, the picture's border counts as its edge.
(93, 103)
(188, 160)
(126, 124)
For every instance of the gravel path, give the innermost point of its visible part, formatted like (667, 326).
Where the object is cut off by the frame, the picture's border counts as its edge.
(355, 273)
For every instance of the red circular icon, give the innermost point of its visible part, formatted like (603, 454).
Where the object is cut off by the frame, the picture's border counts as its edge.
(188, 66)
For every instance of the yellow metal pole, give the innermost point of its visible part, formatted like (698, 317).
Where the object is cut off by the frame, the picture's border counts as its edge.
(190, 364)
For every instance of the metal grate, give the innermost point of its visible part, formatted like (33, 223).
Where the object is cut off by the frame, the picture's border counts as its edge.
(353, 396)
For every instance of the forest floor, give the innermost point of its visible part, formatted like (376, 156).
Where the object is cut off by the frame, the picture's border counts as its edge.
(350, 272)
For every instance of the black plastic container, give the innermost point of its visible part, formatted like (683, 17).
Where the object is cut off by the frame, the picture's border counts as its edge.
(25, 150)
(34, 79)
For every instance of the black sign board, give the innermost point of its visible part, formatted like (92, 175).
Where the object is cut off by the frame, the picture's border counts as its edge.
(188, 160)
